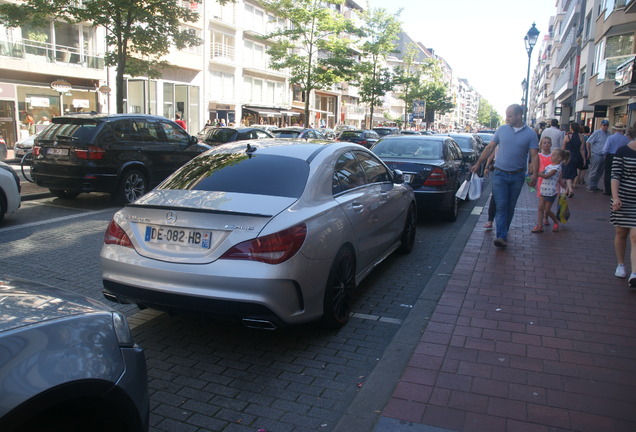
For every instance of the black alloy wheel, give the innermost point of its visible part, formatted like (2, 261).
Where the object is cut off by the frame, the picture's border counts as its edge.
(452, 213)
(133, 185)
(339, 291)
(407, 242)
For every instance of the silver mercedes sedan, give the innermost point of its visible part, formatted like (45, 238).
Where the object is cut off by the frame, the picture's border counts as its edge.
(270, 232)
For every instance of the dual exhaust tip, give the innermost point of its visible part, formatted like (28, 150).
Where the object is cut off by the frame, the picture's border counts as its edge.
(247, 322)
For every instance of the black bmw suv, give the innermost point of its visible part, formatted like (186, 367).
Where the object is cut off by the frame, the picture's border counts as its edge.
(122, 154)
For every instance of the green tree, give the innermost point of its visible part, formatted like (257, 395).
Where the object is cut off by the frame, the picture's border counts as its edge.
(138, 32)
(311, 44)
(379, 33)
(487, 115)
(408, 79)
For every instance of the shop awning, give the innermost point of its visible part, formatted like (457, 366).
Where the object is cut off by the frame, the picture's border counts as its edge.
(290, 113)
(263, 112)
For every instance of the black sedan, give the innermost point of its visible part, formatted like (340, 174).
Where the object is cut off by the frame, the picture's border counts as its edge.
(469, 144)
(359, 136)
(433, 165)
(222, 135)
(297, 132)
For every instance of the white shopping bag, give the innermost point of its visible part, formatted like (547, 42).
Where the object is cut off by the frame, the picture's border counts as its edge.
(462, 192)
(476, 182)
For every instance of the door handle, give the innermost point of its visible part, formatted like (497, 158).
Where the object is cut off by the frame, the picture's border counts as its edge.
(357, 207)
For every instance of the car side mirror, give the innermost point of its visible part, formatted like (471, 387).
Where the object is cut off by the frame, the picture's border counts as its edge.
(398, 177)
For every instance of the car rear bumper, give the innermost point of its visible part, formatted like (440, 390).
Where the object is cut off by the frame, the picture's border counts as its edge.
(83, 183)
(291, 293)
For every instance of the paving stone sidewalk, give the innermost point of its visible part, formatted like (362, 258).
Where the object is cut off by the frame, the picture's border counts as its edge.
(538, 337)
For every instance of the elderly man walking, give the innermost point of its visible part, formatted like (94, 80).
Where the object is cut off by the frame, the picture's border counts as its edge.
(554, 133)
(514, 140)
(617, 140)
(597, 160)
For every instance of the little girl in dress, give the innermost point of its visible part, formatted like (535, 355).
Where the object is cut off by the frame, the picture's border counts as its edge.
(545, 152)
(549, 189)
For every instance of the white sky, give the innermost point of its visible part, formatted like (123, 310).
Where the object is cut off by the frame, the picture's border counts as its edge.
(481, 40)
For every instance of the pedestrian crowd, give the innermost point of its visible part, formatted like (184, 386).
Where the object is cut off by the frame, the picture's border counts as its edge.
(556, 162)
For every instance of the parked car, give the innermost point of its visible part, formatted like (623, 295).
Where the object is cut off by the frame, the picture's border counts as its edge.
(330, 134)
(295, 132)
(3, 149)
(470, 145)
(10, 188)
(433, 165)
(363, 137)
(24, 146)
(341, 128)
(485, 138)
(386, 130)
(123, 154)
(67, 363)
(222, 135)
(270, 232)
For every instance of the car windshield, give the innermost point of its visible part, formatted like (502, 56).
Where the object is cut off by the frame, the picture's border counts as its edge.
(411, 149)
(382, 132)
(286, 134)
(69, 129)
(242, 173)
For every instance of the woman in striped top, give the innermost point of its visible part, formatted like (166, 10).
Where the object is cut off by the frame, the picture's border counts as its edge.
(623, 214)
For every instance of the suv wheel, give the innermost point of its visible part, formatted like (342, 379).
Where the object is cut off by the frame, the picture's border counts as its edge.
(65, 194)
(133, 185)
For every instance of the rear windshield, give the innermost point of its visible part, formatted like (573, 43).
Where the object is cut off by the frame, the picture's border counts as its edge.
(286, 134)
(351, 134)
(463, 142)
(221, 135)
(242, 173)
(69, 129)
(411, 149)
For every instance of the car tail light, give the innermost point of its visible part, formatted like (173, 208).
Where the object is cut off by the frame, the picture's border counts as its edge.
(271, 249)
(437, 177)
(364, 142)
(90, 153)
(36, 151)
(116, 235)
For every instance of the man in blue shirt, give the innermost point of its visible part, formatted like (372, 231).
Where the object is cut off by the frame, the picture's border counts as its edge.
(597, 160)
(612, 144)
(515, 140)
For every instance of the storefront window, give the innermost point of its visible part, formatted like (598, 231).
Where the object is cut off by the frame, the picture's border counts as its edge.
(168, 100)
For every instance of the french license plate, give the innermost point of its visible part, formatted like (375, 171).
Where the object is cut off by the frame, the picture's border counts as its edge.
(57, 151)
(408, 178)
(178, 236)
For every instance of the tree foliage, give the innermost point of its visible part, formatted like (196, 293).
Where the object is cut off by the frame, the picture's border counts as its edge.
(138, 32)
(379, 35)
(424, 81)
(487, 115)
(310, 44)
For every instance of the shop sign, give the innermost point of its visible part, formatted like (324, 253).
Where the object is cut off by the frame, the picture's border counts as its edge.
(39, 101)
(81, 103)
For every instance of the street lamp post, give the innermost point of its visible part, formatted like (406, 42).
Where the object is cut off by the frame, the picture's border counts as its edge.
(530, 40)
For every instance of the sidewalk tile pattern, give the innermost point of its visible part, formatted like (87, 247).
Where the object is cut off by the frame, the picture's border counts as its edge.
(537, 337)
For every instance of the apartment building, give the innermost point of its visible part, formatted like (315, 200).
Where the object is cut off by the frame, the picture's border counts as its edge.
(585, 71)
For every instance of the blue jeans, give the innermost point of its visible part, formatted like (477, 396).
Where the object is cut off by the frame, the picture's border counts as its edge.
(506, 189)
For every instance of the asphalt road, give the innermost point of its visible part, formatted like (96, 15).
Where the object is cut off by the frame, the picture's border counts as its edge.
(206, 375)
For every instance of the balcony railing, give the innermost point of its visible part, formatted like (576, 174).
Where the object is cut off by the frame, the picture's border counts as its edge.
(50, 53)
(564, 82)
(222, 51)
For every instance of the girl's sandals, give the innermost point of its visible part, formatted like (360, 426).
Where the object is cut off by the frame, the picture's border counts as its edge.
(555, 228)
(537, 229)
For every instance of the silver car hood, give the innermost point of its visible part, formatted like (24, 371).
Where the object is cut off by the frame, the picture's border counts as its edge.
(256, 205)
(23, 303)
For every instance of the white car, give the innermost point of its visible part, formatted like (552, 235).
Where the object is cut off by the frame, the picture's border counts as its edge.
(24, 146)
(9, 190)
(272, 232)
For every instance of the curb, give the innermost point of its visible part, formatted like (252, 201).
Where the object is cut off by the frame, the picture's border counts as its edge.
(365, 411)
